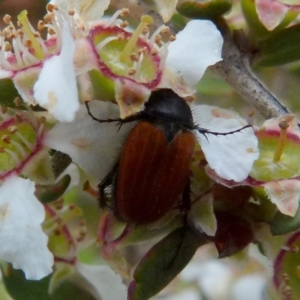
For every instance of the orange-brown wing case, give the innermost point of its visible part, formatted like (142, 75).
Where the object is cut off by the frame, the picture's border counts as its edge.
(152, 173)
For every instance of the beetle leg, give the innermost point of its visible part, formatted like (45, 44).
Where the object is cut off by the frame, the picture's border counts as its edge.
(107, 181)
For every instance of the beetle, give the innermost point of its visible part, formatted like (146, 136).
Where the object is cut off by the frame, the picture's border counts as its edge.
(152, 172)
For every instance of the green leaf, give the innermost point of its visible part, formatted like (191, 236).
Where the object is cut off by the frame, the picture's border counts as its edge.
(50, 193)
(103, 86)
(21, 289)
(280, 48)
(282, 224)
(203, 9)
(212, 86)
(163, 262)
(8, 93)
(61, 273)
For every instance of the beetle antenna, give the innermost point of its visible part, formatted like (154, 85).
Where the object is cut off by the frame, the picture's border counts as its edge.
(206, 131)
(99, 120)
(136, 117)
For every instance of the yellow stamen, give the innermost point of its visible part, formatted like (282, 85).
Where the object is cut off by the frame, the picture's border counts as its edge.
(22, 17)
(172, 38)
(5, 139)
(7, 19)
(125, 55)
(282, 140)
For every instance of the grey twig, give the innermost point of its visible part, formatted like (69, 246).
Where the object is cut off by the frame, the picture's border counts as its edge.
(234, 69)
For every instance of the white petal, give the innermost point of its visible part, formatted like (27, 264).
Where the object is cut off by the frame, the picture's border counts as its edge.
(196, 47)
(249, 287)
(231, 156)
(94, 146)
(62, 4)
(203, 215)
(285, 194)
(166, 8)
(108, 284)
(24, 244)
(90, 10)
(270, 12)
(24, 81)
(5, 74)
(56, 88)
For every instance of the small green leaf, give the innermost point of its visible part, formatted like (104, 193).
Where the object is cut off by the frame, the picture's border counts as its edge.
(282, 224)
(213, 86)
(280, 48)
(8, 93)
(103, 86)
(61, 273)
(163, 262)
(21, 289)
(49, 193)
(203, 9)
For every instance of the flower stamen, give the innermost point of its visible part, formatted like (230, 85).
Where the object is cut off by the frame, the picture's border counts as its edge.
(100, 46)
(161, 29)
(125, 55)
(283, 125)
(22, 17)
(19, 148)
(114, 17)
(25, 141)
(13, 156)
(139, 66)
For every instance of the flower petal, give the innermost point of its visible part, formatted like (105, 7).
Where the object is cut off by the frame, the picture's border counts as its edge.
(108, 284)
(24, 81)
(90, 10)
(56, 88)
(5, 74)
(24, 244)
(92, 145)
(231, 156)
(271, 12)
(196, 47)
(166, 8)
(130, 97)
(285, 194)
(203, 215)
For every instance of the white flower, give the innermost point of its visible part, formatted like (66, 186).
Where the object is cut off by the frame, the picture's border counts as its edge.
(44, 73)
(24, 244)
